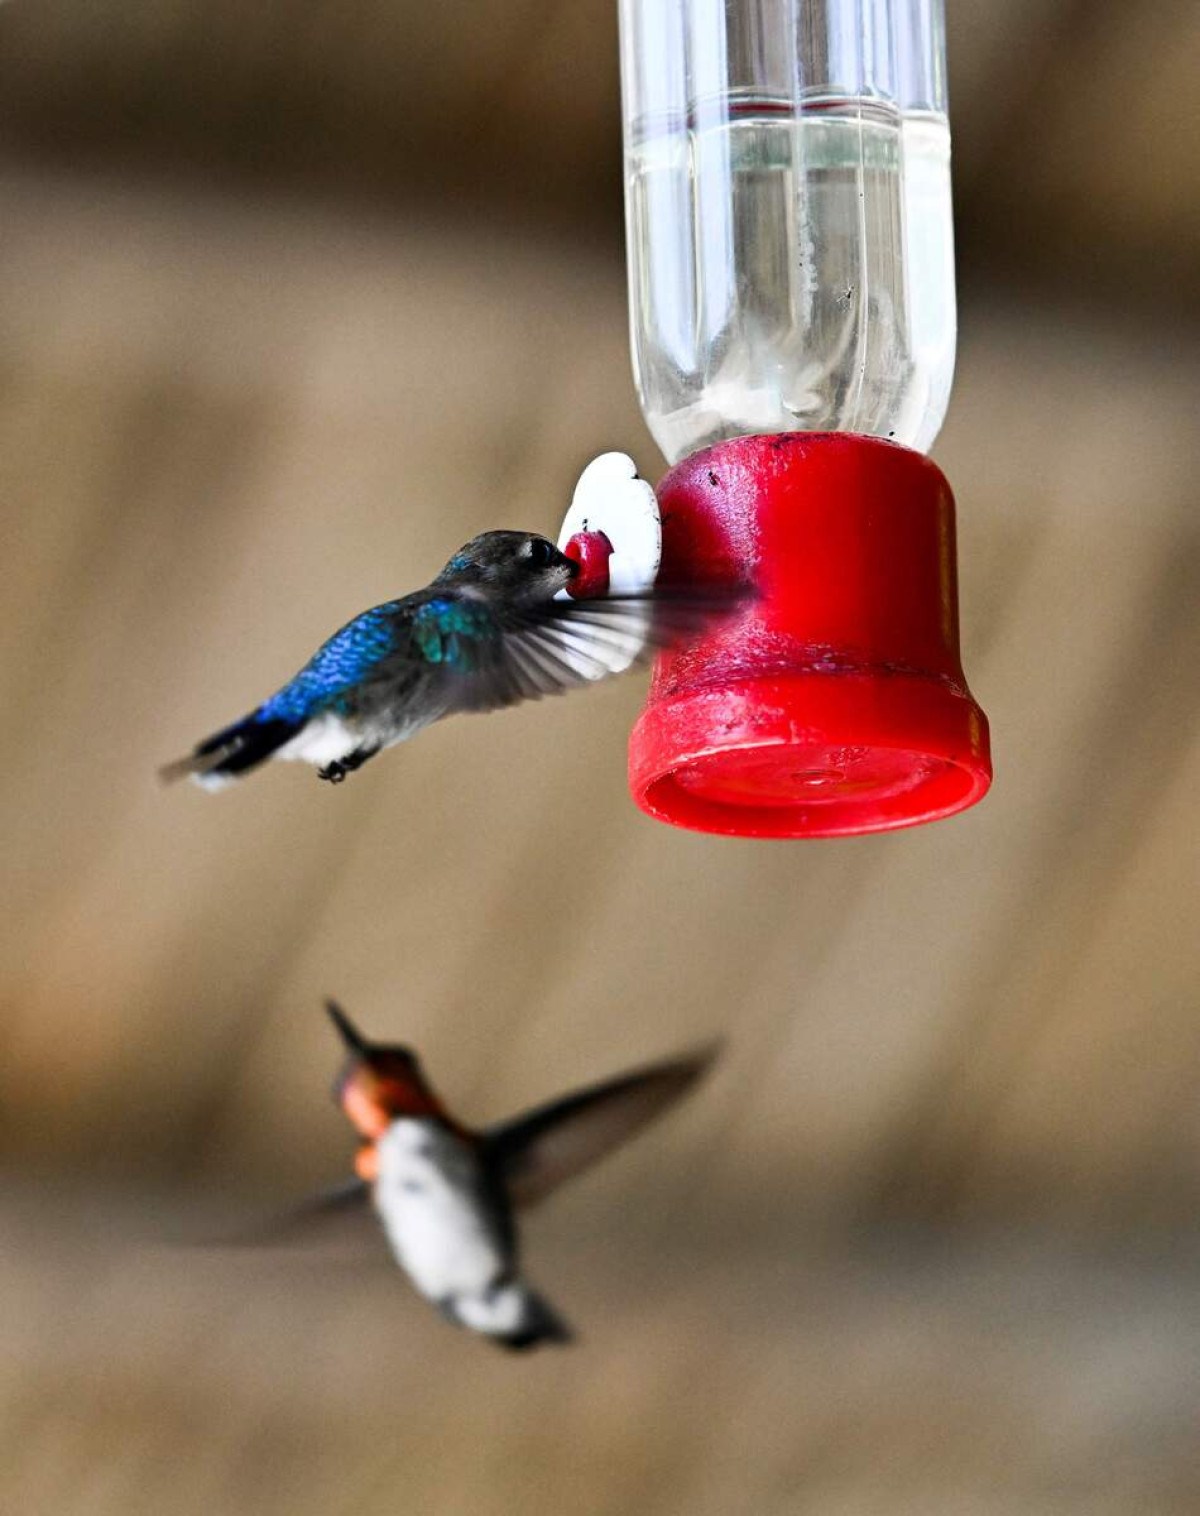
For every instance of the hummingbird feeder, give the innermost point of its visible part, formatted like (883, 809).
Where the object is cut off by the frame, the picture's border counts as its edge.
(792, 310)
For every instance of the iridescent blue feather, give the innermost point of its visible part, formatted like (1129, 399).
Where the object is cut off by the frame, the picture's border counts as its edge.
(337, 668)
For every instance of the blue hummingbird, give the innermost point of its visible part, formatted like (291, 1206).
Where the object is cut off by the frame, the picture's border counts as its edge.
(491, 630)
(446, 1195)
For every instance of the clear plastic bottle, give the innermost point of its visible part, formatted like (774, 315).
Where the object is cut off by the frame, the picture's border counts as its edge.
(791, 256)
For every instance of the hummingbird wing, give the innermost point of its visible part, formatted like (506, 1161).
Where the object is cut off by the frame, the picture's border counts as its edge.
(349, 1196)
(307, 1218)
(534, 1153)
(503, 655)
(338, 1220)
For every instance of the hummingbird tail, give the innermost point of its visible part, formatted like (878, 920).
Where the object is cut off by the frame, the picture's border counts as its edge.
(539, 1324)
(232, 752)
(510, 1314)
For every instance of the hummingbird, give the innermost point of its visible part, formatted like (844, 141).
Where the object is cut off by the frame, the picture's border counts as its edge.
(492, 629)
(446, 1193)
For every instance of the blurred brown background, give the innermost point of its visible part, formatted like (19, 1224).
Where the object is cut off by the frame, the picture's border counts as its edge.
(294, 298)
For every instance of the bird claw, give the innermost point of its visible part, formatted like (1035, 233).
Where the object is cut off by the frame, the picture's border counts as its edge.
(335, 772)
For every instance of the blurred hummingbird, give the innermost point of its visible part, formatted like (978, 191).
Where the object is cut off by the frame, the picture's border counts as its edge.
(492, 629)
(445, 1194)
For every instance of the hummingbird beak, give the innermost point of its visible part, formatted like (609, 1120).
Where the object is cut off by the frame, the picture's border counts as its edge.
(378, 1083)
(354, 1040)
(358, 1089)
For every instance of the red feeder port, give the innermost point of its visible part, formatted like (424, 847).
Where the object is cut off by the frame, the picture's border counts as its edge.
(835, 704)
(591, 551)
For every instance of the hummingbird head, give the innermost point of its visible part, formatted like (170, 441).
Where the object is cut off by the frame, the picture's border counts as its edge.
(519, 566)
(378, 1082)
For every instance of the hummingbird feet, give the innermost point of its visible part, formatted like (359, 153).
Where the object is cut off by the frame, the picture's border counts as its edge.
(335, 772)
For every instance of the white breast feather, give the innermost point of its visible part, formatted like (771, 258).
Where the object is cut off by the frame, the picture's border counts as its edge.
(427, 1196)
(324, 740)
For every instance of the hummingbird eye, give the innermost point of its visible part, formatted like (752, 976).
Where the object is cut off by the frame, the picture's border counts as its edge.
(540, 552)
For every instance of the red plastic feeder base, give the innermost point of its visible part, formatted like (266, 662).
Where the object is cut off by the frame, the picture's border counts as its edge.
(835, 704)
